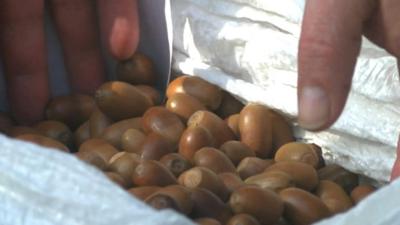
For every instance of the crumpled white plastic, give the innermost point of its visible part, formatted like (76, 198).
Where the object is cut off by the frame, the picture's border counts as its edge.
(41, 186)
(249, 47)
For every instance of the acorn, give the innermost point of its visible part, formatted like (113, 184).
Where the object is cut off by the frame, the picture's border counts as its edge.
(175, 163)
(124, 164)
(152, 173)
(72, 110)
(121, 100)
(43, 141)
(202, 177)
(302, 207)
(334, 197)
(138, 69)
(143, 192)
(215, 125)
(251, 166)
(243, 219)
(213, 159)
(207, 204)
(346, 179)
(236, 151)
(274, 180)
(184, 105)
(207, 93)
(114, 132)
(304, 175)
(360, 192)
(155, 146)
(263, 204)
(55, 130)
(174, 196)
(163, 122)
(255, 127)
(297, 151)
(193, 139)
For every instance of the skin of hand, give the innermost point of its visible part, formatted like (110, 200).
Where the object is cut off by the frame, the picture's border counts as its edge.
(329, 45)
(78, 24)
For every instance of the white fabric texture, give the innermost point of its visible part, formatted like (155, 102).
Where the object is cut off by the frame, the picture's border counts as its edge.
(249, 47)
(40, 186)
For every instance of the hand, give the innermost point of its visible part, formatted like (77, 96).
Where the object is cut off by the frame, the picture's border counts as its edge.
(329, 45)
(23, 46)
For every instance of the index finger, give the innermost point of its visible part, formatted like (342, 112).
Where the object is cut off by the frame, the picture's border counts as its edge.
(22, 47)
(329, 45)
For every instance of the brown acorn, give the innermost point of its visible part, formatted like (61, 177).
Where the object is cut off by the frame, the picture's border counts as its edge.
(297, 151)
(229, 105)
(207, 93)
(202, 177)
(155, 146)
(263, 204)
(124, 164)
(174, 196)
(360, 192)
(143, 192)
(302, 207)
(72, 110)
(138, 69)
(121, 100)
(151, 93)
(163, 122)
(193, 139)
(152, 173)
(232, 181)
(114, 132)
(55, 130)
(236, 151)
(184, 105)
(233, 123)
(43, 141)
(274, 180)
(176, 163)
(251, 166)
(243, 219)
(207, 221)
(255, 128)
(215, 125)
(339, 175)
(213, 159)
(81, 134)
(207, 204)
(98, 121)
(132, 140)
(304, 175)
(334, 197)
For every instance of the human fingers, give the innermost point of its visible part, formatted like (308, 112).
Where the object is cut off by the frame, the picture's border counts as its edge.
(329, 45)
(23, 51)
(384, 26)
(119, 26)
(75, 22)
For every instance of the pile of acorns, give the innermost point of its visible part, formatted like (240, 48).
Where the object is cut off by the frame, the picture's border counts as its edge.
(202, 153)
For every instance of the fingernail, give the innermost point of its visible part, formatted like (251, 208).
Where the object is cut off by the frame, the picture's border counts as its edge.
(314, 108)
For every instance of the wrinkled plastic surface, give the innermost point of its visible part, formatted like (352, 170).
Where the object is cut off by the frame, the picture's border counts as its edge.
(41, 186)
(249, 47)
